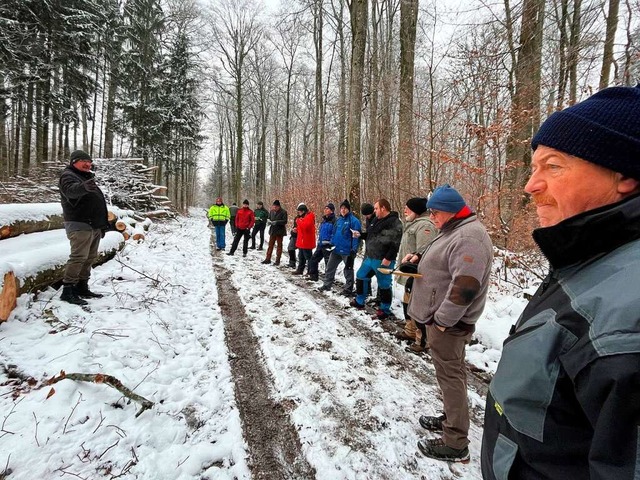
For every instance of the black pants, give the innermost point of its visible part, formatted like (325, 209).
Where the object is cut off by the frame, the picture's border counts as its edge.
(258, 228)
(241, 232)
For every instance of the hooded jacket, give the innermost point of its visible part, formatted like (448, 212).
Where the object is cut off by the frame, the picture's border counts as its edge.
(325, 231)
(219, 214)
(306, 226)
(565, 400)
(245, 219)
(342, 237)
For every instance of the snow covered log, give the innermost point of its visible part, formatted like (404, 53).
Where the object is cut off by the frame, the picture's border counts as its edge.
(19, 218)
(37, 260)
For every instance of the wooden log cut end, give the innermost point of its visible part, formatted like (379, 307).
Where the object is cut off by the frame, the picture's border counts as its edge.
(8, 296)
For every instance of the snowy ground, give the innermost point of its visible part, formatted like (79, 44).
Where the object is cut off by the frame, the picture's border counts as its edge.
(353, 393)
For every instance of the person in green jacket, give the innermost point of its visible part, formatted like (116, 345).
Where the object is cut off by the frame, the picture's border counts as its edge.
(219, 216)
(262, 215)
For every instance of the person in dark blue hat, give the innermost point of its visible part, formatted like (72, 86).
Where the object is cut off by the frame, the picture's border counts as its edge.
(565, 399)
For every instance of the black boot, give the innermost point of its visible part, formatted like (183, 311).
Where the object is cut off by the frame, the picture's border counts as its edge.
(69, 295)
(82, 290)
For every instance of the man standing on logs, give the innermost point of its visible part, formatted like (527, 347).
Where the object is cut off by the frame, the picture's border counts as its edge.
(85, 221)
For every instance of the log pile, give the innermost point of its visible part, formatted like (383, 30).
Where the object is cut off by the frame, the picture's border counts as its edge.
(126, 182)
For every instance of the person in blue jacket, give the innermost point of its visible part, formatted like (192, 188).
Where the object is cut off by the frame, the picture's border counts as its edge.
(323, 248)
(345, 247)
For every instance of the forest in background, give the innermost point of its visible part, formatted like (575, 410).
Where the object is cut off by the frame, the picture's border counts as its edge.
(311, 100)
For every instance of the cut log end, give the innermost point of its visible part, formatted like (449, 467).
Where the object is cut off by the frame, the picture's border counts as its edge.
(8, 296)
(138, 236)
(121, 226)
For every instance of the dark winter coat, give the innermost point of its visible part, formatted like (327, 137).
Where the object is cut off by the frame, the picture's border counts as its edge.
(565, 400)
(383, 238)
(82, 200)
(342, 237)
(245, 218)
(278, 219)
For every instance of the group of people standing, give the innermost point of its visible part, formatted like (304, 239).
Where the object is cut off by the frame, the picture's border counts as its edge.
(451, 253)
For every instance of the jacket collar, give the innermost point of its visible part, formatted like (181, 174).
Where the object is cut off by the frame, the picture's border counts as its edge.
(590, 234)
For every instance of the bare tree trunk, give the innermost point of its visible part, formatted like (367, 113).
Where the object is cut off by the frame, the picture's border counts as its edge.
(574, 48)
(525, 111)
(358, 11)
(374, 88)
(28, 127)
(406, 173)
(607, 56)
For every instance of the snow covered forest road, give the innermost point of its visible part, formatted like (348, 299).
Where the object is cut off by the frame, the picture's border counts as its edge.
(337, 398)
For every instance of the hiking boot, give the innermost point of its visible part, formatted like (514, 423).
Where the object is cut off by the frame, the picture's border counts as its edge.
(381, 315)
(354, 303)
(416, 349)
(435, 448)
(313, 278)
(82, 290)
(267, 262)
(401, 323)
(324, 288)
(389, 327)
(259, 248)
(402, 335)
(230, 254)
(277, 263)
(431, 423)
(347, 293)
(244, 254)
(296, 272)
(69, 295)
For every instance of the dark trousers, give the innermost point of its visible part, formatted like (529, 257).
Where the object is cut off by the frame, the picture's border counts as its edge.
(84, 250)
(322, 252)
(232, 221)
(332, 266)
(304, 255)
(258, 228)
(240, 233)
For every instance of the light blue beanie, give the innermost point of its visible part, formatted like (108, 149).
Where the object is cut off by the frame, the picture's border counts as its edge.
(446, 199)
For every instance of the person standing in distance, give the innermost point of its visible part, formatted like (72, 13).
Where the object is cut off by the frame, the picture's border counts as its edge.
(85, 221)
(219, 216)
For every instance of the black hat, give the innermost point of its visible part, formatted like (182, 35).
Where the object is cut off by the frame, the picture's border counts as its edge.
(80, 155)
(276, 203)
(603, 129)
(345, 203)
(366, 209)
(331, 206)
(260, 203)
(245, 202)
(417, 205)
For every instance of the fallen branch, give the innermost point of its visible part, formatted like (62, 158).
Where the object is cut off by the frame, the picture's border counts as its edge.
(109, 380)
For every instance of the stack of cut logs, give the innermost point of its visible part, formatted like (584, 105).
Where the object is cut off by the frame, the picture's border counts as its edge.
(130, 225)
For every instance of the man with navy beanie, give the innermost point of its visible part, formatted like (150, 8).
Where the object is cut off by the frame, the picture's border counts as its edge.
(565, 400)
(448, 299)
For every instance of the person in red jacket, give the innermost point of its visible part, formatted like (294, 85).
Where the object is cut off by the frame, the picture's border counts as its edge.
(245, 219)
(306, 242)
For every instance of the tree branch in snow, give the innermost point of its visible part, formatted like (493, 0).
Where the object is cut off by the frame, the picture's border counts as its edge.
(109, 380)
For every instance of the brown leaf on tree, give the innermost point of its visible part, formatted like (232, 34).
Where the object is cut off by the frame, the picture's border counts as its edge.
(51, 392)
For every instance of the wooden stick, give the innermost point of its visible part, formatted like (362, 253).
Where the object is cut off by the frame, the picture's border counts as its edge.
(109, 380)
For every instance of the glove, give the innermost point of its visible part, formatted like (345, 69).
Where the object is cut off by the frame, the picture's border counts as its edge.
(90, 185)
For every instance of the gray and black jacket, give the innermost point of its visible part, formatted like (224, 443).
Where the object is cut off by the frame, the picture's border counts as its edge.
(565, 400)
(82, 200)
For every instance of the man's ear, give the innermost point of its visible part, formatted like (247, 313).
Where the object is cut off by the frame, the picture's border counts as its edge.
(628, 185)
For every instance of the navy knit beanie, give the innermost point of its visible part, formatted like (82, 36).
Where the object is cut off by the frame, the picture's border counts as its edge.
(417, 205)
(603, 129)
(345, 203)
(446, 199)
